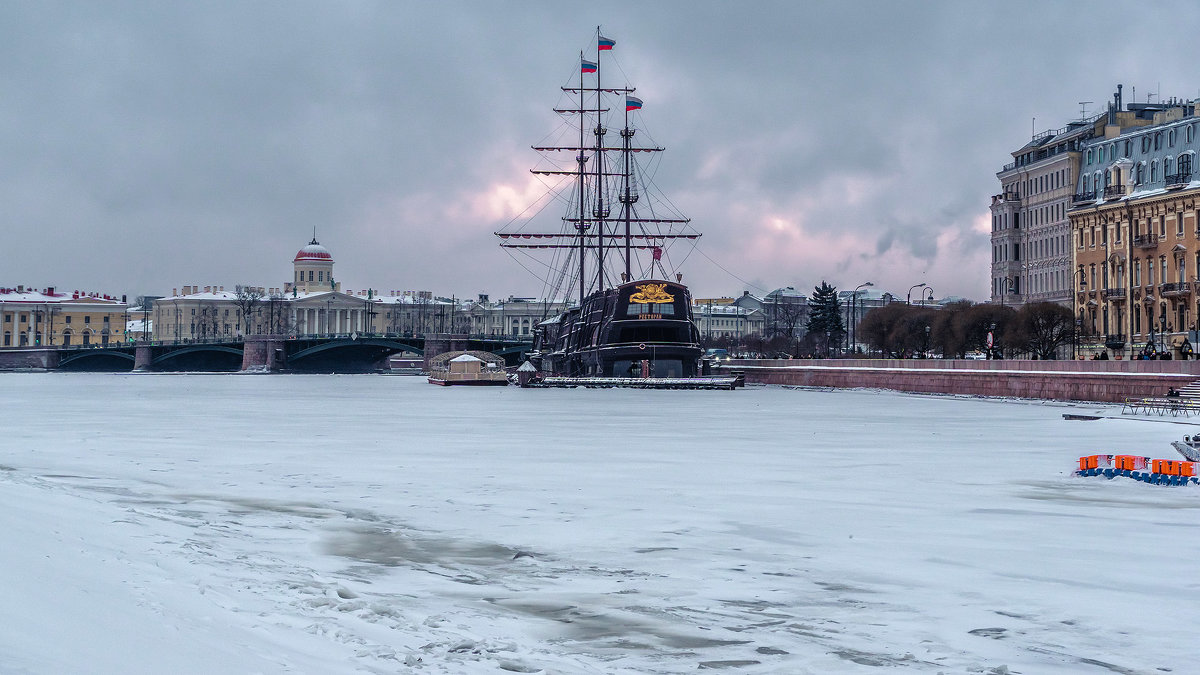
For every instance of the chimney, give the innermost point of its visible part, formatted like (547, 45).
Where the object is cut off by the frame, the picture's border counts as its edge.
(174, 291)
(20, 288)
(1118, 96)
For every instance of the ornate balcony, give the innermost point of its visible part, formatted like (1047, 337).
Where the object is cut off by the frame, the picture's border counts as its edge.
(1114, 191)
(1175, 288)
(1083, 197)
(1146, 240)
(1178, 180)
(1114, 294)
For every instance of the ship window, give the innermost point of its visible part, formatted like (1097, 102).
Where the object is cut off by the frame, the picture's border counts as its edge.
(663, 308)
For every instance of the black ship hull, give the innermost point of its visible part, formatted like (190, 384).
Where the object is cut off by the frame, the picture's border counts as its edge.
(638, 329)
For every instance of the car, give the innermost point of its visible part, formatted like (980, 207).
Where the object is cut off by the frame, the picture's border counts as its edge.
(976, 356)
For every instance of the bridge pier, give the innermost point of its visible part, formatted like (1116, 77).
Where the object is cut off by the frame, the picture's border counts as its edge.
(440, 343)
(142, 357)
(263, 353)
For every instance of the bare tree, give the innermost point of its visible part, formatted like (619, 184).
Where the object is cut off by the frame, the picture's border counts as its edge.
(1041, 328)
(247, 300)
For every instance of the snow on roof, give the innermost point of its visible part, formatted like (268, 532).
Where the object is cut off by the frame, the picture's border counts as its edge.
(464, 358)
(50, 296)
(527, 367)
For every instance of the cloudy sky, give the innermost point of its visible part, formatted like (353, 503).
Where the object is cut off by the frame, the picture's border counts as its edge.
(151, 145)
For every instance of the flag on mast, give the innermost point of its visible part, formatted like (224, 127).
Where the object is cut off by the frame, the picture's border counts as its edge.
(605, 44)
(657, 253)
(588, 66)
(632, 103)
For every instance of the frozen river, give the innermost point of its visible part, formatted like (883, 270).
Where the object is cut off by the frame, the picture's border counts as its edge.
(333, 524)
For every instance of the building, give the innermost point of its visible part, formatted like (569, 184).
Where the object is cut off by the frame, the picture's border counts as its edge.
(727, 321)
(47, 318)
(313, 304)
(786, 313)
(1031, 253)
(1134, 228)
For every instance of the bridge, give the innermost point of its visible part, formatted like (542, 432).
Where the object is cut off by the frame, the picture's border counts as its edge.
(354, 353)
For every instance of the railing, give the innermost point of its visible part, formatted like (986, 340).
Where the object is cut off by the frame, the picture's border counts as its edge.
(1146, 240)
(1113, 294)
(1009, 167)
(1011, 197)
(1114, 340)
(1176, 288)
(1178, 179)
(1083, 197)
(1113, 191)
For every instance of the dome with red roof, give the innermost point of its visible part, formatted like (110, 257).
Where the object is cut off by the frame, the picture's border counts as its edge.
(313, 251)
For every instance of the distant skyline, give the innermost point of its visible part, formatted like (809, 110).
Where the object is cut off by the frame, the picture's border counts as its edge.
(149, 146)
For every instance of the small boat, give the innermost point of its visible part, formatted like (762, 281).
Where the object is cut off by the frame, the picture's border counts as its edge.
(471, 368)
(1189, 447)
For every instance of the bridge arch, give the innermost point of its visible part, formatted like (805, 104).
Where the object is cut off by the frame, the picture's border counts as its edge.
(200, 357)
(349, 355)
(97, 360)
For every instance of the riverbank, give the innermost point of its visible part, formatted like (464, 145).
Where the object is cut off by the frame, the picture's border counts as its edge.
(1102, 381)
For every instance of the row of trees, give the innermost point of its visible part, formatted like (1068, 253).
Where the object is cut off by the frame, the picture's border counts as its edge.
(900, 330)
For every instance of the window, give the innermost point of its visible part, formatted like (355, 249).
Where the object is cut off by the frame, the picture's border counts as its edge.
(1171, 138)
(1162, 226)
(310, 275)
(1128, 147)
(7, 339)
(321, 276)
(1137, 272)
(88, 319)
(1154, 171)
(68, 318)
(1150, 272)
(1112, 151)
(24, 318)
(1189, 133)
(1146, 143)
(1091, 156)
(1158, 140)
(1140, 175)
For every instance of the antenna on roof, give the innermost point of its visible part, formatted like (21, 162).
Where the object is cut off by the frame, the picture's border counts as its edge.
(314, 234)
(1083, 109)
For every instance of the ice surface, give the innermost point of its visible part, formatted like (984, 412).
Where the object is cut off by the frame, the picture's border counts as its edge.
(331, 524)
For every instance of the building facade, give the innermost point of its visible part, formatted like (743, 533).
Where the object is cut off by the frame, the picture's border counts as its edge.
(33, 318)
(1134, 229)
(1031, 252)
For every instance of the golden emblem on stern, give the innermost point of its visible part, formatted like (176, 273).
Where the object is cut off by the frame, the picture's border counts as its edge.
(651, 293)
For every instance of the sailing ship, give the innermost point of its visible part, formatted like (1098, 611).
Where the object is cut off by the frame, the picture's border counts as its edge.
(632, 318)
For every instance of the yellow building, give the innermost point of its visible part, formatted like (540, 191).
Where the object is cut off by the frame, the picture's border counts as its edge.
(1134, 230)
(31, 317)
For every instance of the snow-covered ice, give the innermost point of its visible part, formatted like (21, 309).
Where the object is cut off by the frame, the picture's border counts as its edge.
(333, 524)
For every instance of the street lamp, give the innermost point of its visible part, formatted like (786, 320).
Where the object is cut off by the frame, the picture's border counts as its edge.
(1075, 339)
(926, 351)
(928, 291)
(908, 301)
(854, 314)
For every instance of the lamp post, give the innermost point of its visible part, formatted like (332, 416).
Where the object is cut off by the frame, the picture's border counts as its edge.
(908, 301)
(1075, 339)
(854, 315)
(1079, 318)
(926, 350)
(928, 291)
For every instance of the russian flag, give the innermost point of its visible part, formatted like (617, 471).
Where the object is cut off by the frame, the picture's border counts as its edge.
(632, 103)
(588, 67)
(605, 44)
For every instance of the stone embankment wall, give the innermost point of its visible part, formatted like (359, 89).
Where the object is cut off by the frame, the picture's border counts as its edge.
(28, 358)
(1107, 381)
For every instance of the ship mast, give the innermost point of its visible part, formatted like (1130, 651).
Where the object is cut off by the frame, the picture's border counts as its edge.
(600, 210)
(581, 159)
(627, 197)
(581, 240)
